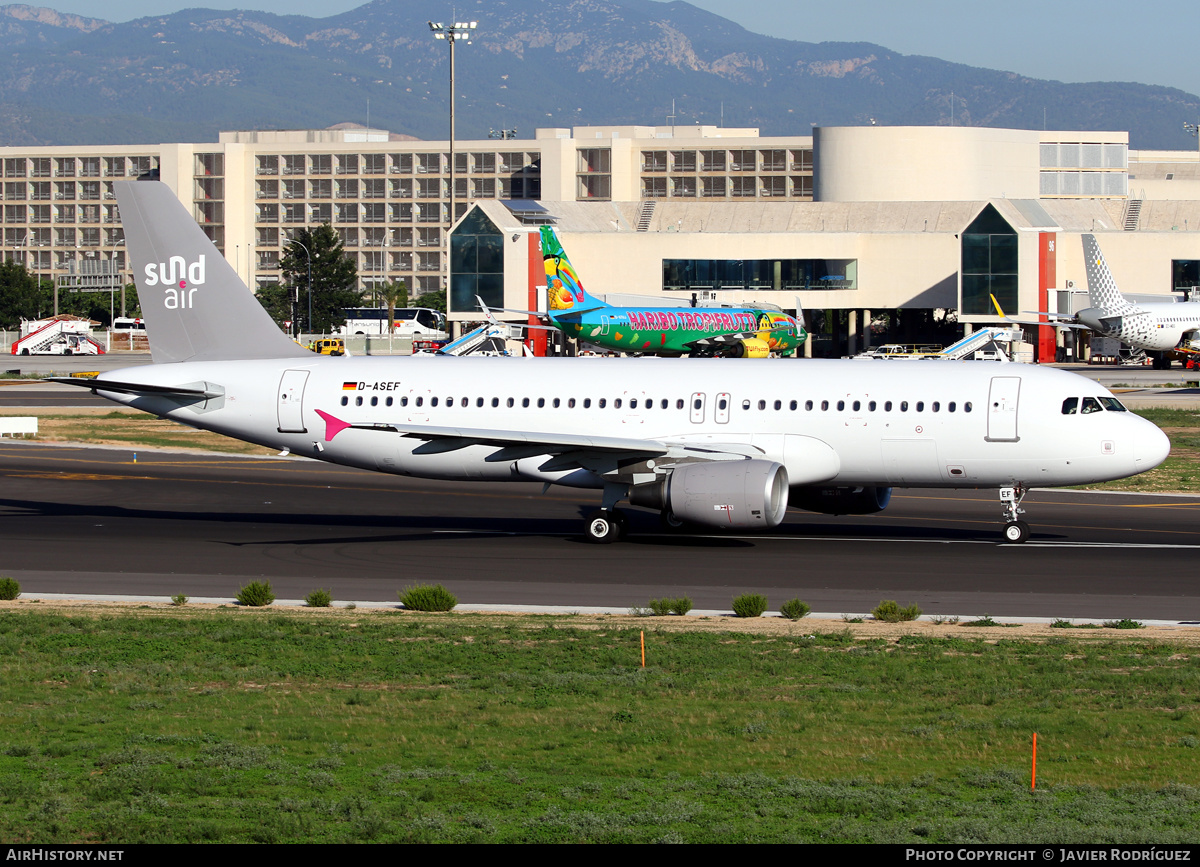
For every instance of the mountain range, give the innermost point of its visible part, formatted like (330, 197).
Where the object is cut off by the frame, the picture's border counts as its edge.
(70, 80)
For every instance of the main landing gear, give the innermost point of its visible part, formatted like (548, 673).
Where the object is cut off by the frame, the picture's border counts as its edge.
(606, 525)
(1015, 530)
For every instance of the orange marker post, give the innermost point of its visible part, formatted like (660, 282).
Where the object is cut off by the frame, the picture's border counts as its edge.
(1033, 777)
(643, 648)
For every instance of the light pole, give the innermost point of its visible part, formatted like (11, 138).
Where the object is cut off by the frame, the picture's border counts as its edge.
(308, 322)
(1193, 129)
(459, 30)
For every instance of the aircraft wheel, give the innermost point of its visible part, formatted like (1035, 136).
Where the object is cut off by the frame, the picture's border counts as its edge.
(1016, 532)
(601, 527)
(670, 521)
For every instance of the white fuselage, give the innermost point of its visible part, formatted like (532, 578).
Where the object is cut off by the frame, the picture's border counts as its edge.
(1155, 326)
(931, 423)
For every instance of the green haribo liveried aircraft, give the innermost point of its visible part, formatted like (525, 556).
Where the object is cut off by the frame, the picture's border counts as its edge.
(741, 332)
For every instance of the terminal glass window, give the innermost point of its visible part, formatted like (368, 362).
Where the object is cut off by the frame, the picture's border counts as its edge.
(476, 264)
(1185, 274)
(791, 275)
(989, 264)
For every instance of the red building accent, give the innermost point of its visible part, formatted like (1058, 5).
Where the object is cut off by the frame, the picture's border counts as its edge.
(535, 338)
(1047, 280)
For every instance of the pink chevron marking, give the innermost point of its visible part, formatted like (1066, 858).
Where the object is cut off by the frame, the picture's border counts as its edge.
(333, 426)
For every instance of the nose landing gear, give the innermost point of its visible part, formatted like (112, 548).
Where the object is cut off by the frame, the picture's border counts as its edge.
(1015, 530)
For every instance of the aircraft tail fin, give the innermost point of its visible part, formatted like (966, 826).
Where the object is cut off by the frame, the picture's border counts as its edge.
(195, 305)
(1102, 287)
(564, 290)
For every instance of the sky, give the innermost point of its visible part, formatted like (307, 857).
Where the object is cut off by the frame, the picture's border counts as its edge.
(1150, 42)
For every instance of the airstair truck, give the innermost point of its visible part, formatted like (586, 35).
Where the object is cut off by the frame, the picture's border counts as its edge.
(59, 335)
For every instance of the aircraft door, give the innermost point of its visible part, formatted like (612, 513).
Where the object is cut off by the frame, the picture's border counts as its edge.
(291, 401)
(605, 322)
(1002, 409)
(697, 408)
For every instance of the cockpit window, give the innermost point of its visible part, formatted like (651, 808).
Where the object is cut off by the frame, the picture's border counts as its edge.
(1113, 405)
(1070, 406)
(1090, 404)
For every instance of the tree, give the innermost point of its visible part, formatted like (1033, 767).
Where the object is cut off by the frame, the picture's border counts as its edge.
(434, 300)
(394, 295)
(21, 296)
(277, 301)
(334, 278)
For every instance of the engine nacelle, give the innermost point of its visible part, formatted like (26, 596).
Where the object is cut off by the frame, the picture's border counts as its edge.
(750, 493)
(841, 501)
(751, 347)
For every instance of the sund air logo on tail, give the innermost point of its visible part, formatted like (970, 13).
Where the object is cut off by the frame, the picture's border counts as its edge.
(181, 279)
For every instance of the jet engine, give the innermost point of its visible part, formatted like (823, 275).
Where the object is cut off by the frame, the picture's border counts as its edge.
(841, 501)
(749, 493)
(751, 347)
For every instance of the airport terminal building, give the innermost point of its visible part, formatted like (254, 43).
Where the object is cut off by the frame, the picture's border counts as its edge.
(866, 228)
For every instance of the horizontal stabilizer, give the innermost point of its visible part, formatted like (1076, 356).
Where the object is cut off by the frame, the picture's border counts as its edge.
(196, 390)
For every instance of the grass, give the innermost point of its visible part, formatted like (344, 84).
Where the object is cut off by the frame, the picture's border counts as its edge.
(237, 725)
(133, 428)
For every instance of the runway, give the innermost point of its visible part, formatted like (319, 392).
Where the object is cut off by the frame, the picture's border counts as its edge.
(86, 520)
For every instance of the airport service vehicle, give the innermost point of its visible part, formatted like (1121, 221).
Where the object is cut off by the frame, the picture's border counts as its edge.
(709, 443)
(59, 335)
(327, 346)
(743, 332)
(1159, 327)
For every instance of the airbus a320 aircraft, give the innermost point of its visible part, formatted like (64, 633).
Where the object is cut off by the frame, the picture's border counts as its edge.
(707, 442)
(1153, 326)
(697, 331)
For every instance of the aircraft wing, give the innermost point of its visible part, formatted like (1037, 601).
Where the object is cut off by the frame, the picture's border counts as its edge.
(192, 389)
(566, 451)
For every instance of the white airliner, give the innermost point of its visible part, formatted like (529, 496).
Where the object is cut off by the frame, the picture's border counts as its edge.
(1155, 326)
(707, 442)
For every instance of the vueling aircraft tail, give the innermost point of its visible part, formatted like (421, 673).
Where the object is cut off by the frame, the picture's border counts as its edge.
(564, 291)
(195, 306)
(1102, 287)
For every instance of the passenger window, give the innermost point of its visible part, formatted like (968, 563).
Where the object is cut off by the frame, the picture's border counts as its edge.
(679, 403)
(745, 404)
(404, 401)
(824, 406)
(951, 406)
(525, 403)
(762, 404)
(420, 401)
(345, 400)
(479, 401)
(587, 403)
(904, 406)
(1090, 405)
(666, 404)
(617, 403)
(722, 404)
(601, 403)
(388, 402)
(920, 406)
(808, 405)
(374, 401)
(495, 401)
(887, 406)
(541, 403)
(511, 402)
(857, 405)
(871, 406)
(967, 406)
(556, 403)
(841, 406)
(632, 403)
(936, 406)
(358, 401)
(792, 406)
(778, 404)
(466, 402)
(697, 403)
(570, 403)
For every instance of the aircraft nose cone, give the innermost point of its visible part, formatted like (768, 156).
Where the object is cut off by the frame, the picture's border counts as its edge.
(1151, 448)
